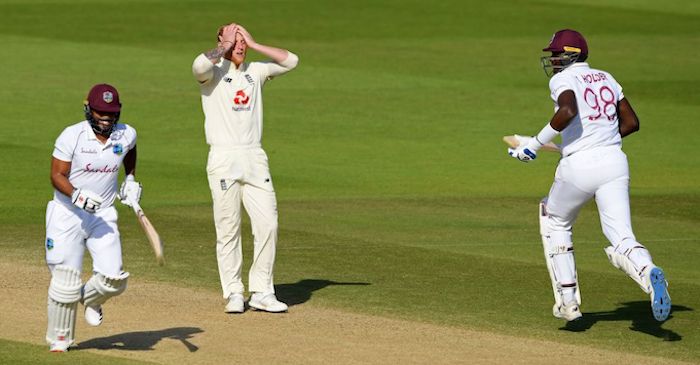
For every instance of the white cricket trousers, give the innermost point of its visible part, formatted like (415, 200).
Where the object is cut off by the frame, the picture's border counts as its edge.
(241, 175)
(69, 230)
(602, 173)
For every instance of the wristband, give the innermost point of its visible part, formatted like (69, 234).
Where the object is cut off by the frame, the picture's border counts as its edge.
(547, 134)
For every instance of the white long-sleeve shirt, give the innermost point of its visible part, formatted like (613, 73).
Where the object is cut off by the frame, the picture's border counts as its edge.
(232, 98)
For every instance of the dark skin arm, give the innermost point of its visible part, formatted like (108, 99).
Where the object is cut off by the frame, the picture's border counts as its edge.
(629, 123)
(130, 162)
(59, 176)
(566, 112)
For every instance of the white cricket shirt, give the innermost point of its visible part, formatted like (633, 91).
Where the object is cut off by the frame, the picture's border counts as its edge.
(94, 165)
(597, 94)
(232, 99)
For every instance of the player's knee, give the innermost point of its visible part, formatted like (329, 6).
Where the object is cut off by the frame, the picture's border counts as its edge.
(268, 227)
(273, 226)
(560, 237)
(101, 287)
(550, 222)
(65, 285)
(557, 224)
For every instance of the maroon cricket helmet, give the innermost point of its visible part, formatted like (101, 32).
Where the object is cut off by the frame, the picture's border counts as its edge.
(568, 40)
(104, 98)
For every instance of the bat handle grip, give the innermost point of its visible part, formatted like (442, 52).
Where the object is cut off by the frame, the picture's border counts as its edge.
(136, 207)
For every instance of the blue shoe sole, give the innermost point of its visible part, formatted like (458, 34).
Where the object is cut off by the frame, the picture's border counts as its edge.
(661, 301)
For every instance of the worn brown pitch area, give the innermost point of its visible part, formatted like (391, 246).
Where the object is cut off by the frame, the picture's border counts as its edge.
(166, 324)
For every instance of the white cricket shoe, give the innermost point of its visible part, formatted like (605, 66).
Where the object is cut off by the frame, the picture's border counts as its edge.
(60, 345)
(235, 304)
(93, 315)
(569, 312)
(660, 299)
(267, 302)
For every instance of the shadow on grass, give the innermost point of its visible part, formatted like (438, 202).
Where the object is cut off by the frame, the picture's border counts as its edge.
(301, 291)
(639, 313)
(141, 341)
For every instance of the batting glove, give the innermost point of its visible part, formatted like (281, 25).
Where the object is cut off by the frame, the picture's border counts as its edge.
(86, 200)
(527, 151)
(130, 191)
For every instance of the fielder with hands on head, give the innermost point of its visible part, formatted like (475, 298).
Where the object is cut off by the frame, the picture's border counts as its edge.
(592, 115)
(84, 172)
(237, 166)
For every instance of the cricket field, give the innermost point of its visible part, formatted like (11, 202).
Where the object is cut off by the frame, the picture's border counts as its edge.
(407, 234)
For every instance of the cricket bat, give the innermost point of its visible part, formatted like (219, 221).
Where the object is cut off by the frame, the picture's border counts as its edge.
(151, 233)
(516, 140)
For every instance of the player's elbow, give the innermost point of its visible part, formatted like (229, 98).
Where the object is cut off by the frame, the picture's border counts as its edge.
(55, 176)
(568, 112)
(202, 69)
(291, 61)
(635, 126)
(629, 121)
(628, 125)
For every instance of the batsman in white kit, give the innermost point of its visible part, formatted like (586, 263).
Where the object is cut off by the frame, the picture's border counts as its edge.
(592, 115)
(237, 166)
(84, 171)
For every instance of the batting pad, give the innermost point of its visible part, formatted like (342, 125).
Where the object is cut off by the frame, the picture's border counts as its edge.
(559, 255)
(100, 288)
(635, 261)
(64, 294)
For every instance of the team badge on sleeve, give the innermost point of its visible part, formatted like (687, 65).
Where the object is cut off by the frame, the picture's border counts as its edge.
(118, 149)
(49, 243)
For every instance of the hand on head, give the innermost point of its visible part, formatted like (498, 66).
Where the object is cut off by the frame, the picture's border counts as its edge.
(227, 34)
(246, 36)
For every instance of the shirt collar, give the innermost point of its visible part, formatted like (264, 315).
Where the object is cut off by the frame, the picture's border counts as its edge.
(229, 66)
(579, 64)
(90, 135)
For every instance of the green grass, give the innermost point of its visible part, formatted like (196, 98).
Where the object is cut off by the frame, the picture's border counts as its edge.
(384, 145)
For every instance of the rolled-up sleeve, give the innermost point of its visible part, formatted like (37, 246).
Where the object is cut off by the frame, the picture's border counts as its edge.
(272, 69)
